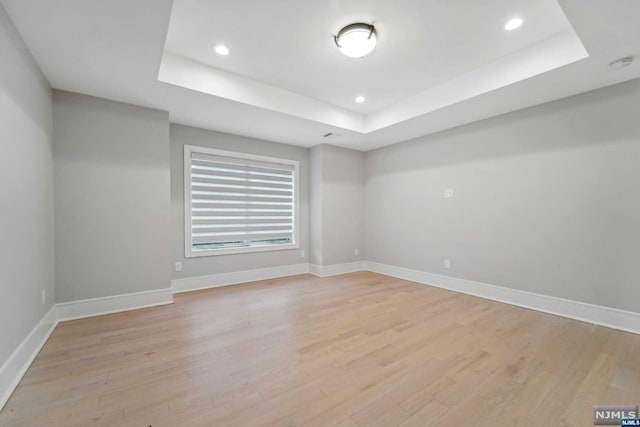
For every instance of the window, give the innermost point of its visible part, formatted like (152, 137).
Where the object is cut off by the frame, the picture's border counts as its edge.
(237, 203)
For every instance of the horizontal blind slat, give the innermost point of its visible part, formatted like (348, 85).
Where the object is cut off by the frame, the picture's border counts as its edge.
(214, 189)
(230, 198)
(248, 221)
(242, 183)
(238, 206)
(217, 230)
(239, 213)
(242, 168)
(219, 239)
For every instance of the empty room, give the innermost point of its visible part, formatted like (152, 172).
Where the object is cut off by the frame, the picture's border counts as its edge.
(319, 213)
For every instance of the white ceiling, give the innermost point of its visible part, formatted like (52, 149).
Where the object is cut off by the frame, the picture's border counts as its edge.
(421, 43)
(438, 64)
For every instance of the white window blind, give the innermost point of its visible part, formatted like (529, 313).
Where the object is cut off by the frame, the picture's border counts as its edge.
(238, 203)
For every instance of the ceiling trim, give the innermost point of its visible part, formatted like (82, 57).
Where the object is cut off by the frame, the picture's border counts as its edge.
(189, 74)
(551, 53)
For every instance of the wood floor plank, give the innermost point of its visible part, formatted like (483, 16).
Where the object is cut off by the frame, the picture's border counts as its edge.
(426, 416)
(360, 349)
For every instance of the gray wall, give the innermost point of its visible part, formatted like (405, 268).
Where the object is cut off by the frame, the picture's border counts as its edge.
(315, 203)
(26, 191)
(112, 197)
(546, 200)
(337, 195)
(202, 266)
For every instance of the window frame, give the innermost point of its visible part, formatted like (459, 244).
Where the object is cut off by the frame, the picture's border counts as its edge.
(189, 252)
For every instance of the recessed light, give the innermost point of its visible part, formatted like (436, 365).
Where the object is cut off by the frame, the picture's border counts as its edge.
(512, 24)
(360, 99)
(221, 50)
(356, 40)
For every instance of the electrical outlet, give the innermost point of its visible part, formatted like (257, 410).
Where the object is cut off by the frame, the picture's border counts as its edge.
(447, 193)
(44, 296)
(302, 253)
(447, 263)
(178, 266)
(356, 251)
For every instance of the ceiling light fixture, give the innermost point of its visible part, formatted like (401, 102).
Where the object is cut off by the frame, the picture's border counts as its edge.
(622, 63)
(221, 50)
(331, 135)
(513, 24)
(356, 40)
(360, 99)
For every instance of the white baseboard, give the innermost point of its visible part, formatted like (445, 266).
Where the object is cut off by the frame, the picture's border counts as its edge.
(605, 316)
(15, 367)
(113, 304)
(335, 269)
(236, 277)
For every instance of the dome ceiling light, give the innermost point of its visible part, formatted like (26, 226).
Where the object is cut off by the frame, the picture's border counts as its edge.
(356, 40)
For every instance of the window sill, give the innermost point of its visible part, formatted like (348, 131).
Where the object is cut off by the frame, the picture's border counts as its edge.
(243, 250)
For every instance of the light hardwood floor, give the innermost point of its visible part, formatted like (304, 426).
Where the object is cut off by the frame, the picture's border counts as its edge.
(351, 350)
